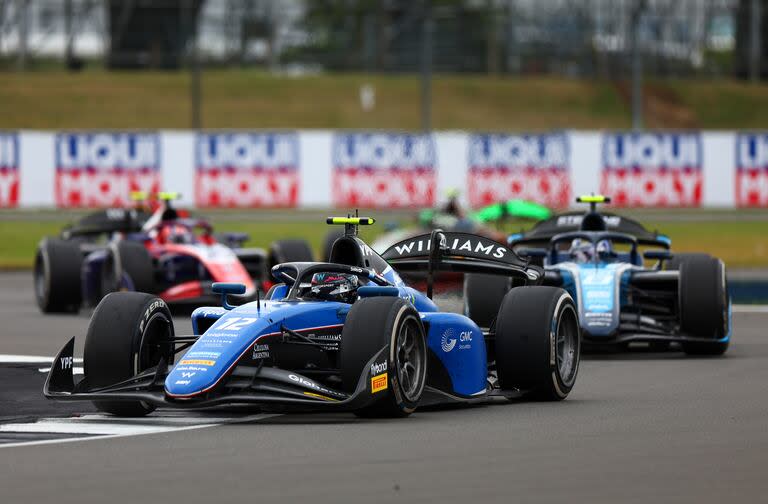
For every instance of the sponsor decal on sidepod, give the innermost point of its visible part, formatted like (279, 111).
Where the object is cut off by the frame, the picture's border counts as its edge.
(448, 340)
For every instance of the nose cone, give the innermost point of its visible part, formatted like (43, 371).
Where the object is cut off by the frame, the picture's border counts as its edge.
(217, 351)
(234, 335)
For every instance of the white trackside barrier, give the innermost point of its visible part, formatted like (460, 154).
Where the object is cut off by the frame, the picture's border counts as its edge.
(323, 168)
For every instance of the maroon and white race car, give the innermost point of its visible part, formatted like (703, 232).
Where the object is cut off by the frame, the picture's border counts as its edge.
(166, 253)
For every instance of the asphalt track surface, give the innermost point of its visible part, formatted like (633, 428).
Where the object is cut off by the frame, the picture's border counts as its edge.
(638, 427)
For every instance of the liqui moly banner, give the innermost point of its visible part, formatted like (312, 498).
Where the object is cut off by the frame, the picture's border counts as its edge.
(654, 169)
(102, 169)
(531, 167)
(752, 170)
(383, 170)
(247, 170)
(9, 170)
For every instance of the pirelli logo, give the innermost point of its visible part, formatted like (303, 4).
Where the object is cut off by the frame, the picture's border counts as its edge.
(379, 383)
(198, 362)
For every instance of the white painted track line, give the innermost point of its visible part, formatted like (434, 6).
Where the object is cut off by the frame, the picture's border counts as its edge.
(51, 426)
(29, 359)
(107, 427)
(75, 370)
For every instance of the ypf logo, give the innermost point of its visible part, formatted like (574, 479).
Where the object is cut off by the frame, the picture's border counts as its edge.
(9, 170)
(531, 167)
(662, 169)
(752, 170)
(102, 169)
(384, 170)
(248, 170)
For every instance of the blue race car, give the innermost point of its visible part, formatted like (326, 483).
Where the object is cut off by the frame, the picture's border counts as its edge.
(348, 334)
(596, 257)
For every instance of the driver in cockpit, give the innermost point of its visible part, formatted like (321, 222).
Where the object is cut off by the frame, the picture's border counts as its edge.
(584, 251)
(327, 286)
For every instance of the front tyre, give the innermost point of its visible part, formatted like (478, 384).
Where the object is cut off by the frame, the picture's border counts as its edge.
(129, 333)
(704, 305)
(538, 345)
(677, 260)
(372, 324)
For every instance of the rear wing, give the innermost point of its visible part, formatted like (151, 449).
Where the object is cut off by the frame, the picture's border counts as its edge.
(107, 221)
(541, 234)
(460, 252)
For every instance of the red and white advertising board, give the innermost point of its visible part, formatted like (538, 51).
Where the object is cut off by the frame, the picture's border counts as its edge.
(530, 167)
(247, 170)
(383, 170)
(752, 170)
(652, 169)
(9, 170)
(102, 169)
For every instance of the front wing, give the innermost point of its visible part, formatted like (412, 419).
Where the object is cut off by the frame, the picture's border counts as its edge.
(265, 387)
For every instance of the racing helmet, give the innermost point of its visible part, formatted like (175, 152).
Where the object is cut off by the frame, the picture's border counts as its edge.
(582, 251)
(175, 233)
(341, 287)
(604, 248)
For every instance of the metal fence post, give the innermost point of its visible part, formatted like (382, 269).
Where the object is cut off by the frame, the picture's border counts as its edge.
(754, 40)
(427, 29)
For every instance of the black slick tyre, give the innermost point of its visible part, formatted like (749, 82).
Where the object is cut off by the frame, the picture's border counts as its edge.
(129, 259)
(284, 251)
(125, 337)
(57, 276)
(704, 305)
(673, 264)
(399, 378)
(537, 342)
(330, 239)
(483, 295)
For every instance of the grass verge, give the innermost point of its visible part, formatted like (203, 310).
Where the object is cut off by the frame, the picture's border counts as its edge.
(742, 244)
(96, 99)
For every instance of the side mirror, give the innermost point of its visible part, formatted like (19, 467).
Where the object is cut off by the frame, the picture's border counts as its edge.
(657, 255)
(532, 252)
(224, 289)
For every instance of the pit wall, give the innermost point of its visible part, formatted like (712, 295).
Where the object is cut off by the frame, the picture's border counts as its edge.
(368, 169)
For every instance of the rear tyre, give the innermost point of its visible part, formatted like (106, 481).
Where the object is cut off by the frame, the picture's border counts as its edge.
(129, 259)
(372, 324)
(483, 295)
(122, 340)
(537, 342)
(704, 305)
(330, 239)
(57, 276)
(284, 251)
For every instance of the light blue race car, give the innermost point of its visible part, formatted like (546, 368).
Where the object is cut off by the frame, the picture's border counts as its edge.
(347, 334)
(596, 257)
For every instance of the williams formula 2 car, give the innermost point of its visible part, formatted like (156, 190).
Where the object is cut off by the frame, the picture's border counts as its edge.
(346, 335)
(596, 257)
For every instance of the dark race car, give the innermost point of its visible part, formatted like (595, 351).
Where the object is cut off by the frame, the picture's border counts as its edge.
(166, 253)
(347, 334)
(596, 257)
